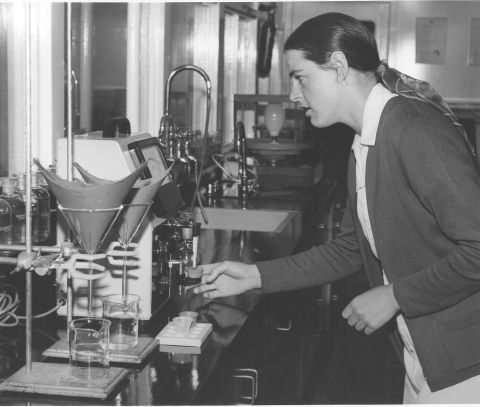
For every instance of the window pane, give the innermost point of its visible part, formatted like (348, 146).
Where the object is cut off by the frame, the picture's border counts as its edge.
(4, 8)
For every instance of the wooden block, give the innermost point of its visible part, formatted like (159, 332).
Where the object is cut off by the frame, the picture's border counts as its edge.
(134, 355)
(55, 379)
(194, 338)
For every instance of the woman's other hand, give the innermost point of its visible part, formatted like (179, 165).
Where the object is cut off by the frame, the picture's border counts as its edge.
(371, 310)
(228, 278)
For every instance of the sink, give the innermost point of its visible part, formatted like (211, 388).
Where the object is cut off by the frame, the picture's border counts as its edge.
(255, 220)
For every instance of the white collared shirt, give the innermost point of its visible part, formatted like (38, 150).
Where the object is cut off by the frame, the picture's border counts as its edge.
(376, 101)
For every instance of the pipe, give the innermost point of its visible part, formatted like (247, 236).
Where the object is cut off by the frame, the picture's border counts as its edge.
(86, 58)
(8, 260)
(76, 98)
(28, 187)
(22, 248)
(69, 142)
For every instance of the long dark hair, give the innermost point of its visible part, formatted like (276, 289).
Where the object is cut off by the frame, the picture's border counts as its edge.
(320, 36)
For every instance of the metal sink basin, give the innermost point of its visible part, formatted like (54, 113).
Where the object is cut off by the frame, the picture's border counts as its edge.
(255, 220)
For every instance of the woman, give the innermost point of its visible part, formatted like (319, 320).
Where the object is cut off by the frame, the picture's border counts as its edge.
(413, 221)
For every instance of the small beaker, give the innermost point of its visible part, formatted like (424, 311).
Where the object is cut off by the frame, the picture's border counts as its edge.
(182, 325)
(89, 350)
(189, 314)
(122, 312)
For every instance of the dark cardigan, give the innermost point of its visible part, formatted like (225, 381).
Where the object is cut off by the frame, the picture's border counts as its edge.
(423, 194)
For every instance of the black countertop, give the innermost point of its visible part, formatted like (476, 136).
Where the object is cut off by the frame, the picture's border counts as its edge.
(177, 377)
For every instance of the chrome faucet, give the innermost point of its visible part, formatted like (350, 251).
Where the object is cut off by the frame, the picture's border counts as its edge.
(242, 140)
(167, 129)
(167, 132)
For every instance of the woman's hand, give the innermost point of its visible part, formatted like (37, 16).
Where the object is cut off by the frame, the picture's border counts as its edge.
(371, 310)
(228, 278)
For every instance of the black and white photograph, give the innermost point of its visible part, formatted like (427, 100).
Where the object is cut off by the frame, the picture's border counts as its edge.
(223, 203)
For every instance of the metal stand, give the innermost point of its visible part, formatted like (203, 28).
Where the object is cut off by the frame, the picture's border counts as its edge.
(49, 378)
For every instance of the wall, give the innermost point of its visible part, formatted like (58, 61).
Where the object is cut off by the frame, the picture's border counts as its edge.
(454, 79)
(110, 45)
(377, 11)
(109, 66)
(3, 92)
(191, 37)
(395, 23)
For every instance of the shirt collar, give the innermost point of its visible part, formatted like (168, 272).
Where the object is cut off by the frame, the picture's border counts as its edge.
(376, 101)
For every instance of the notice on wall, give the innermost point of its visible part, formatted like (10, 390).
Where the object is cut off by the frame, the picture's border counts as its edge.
(431, 40)
(474, 53)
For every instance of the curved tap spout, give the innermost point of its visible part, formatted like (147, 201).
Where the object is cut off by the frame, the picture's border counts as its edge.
(174, 73)
(167, 131)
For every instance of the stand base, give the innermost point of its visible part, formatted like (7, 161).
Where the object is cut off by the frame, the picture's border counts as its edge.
(134, 355)
(55, 379)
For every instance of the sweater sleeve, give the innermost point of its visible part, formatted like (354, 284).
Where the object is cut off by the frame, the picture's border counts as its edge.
(319, 265)
(444, 178)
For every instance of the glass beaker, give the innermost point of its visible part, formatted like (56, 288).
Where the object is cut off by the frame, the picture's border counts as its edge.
(122, 312)
(89, 349)
(182, 325)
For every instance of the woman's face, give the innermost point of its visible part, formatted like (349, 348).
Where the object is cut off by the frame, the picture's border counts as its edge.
(315, 88)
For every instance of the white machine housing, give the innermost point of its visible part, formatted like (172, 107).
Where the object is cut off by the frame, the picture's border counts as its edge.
(113, 159)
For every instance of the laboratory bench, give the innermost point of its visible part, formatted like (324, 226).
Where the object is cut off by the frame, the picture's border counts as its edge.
(262, 348)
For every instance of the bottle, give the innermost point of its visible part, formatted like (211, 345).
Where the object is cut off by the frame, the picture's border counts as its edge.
(5, 224)
(18, 211)
(43, 198)
(22, 192)
(42, 182)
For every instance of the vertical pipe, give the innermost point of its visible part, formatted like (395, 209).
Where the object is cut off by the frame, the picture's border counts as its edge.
(133, 64)
(69, 140)
(86, 66)
(69, 94)
(28, 169)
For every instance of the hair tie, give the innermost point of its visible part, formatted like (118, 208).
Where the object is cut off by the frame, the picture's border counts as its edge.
(404, 85)
(382, 66)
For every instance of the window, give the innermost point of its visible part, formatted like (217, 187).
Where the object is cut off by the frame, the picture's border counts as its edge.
(4, 10)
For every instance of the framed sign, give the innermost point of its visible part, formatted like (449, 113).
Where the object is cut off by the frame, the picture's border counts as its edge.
(474, 52)
(431, 40)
